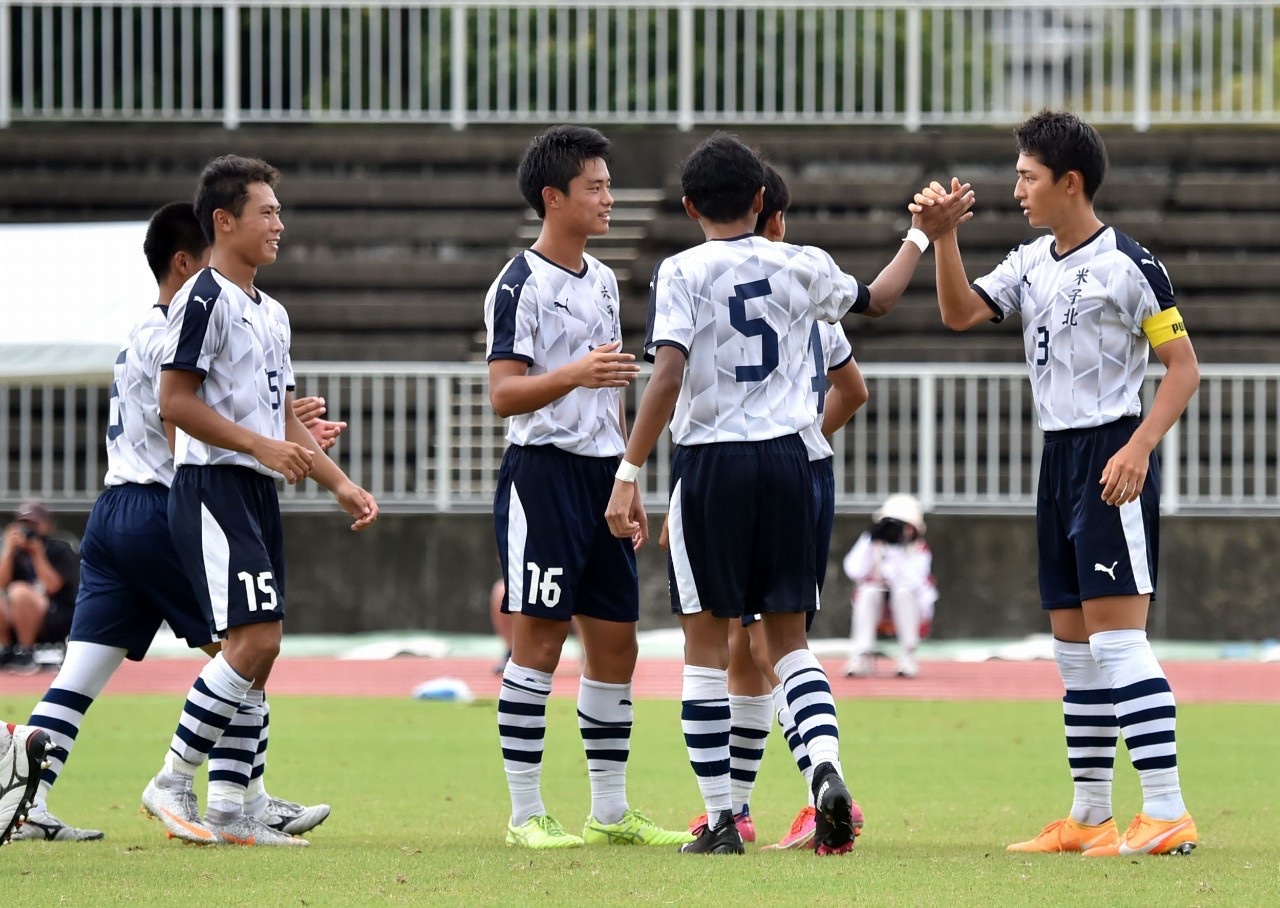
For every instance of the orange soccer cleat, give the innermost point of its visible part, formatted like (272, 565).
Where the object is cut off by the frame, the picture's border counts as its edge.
(1068, 835)
(1147, 835)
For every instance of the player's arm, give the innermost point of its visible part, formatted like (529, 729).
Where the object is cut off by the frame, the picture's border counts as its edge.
(48, 575)
(847, 394)
(181, 405)
(638, 514)
(354, 500)
(513, 391)
(947, 212)
(656, 407)
(1126, 472)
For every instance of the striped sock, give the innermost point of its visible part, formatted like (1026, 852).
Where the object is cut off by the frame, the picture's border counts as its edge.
(84, 673)
(1147, 715)
(255, 796)
(211, 704)
(604, 719)
(522, 728)
(811, 704)
(704, 718)
(751, 718)
(231, 760)
(799, 752)
(1089, 719)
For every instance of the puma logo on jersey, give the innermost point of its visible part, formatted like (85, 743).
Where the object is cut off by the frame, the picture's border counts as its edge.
(1026, 280)
(202, 301)
(245, 320)
(510, 288)
(1109, 571)
(560, 305)
(1151, 262)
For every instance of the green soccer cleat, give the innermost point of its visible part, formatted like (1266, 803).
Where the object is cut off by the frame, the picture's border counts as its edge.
(541, 833)
(633, 829)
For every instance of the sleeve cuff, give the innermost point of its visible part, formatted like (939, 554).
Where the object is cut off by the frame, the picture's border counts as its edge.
(998, 316)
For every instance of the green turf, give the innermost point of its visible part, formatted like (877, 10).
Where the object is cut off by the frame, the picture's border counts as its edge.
(420, 806)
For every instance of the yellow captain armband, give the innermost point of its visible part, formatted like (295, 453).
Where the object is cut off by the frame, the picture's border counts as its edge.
(1167, 326)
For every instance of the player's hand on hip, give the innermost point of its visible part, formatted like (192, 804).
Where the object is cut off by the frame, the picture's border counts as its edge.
(938, 212)
(289, 459)
(619, 512)
(605, 367)
(358, 503)
(1124, 475)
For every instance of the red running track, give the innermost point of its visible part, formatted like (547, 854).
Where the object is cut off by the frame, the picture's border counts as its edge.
(1193, 682)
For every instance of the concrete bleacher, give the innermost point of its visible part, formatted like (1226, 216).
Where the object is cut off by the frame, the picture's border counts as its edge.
(393, 233)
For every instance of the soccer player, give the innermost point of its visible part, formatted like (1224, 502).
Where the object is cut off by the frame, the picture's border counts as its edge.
(227, 387)
(556, 368)
(130, 577)
(1093, 302)
(755, 694)
(22, 754)
(730, 324)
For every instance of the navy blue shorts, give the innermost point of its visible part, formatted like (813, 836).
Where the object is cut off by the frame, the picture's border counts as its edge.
(741, 529)
(1089, 548)
(225, 523)
(130, 577)
(558, 556)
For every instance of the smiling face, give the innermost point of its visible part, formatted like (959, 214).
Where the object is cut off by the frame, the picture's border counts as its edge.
(254, 235)
(1042, 198)
(586, 207)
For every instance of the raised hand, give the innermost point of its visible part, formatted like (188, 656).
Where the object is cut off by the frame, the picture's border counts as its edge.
(937, 211)
(605, 367)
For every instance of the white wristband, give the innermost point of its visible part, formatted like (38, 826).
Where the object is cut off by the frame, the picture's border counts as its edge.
(917, 236)
(627, 472)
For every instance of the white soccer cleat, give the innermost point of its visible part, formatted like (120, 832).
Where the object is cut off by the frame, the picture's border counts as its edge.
(859, 667)
(177, 809)
(907, 666)
(292, 819)
(246, 831)
(20, 767)
(42, 826)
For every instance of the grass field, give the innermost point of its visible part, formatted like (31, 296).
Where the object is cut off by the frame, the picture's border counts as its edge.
(420, 806)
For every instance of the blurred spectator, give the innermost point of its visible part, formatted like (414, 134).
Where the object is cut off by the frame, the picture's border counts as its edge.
(39, 574)
(891, 561)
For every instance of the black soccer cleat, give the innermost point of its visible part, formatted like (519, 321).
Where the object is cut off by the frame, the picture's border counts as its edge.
(833, 826)
(724, 838)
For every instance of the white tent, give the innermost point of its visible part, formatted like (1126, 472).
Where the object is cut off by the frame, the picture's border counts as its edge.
(68, 295)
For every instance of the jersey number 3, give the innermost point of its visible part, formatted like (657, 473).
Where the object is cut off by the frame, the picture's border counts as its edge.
(754, 327)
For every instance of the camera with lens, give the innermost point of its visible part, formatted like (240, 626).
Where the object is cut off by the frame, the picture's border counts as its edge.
(28, 532)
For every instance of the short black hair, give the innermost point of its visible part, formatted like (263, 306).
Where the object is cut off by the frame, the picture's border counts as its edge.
(1063, 142)
(224, 183)
(721, 178)
(777, 197)
(172, 229)
(554, 158)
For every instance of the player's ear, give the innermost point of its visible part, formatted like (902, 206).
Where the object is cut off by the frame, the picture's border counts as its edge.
(551, 197)
(757, 204)
(689, 208)
(223, 220)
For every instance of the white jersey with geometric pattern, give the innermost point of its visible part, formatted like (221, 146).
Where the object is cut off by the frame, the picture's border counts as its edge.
(829, 350)
(741, 310)
(1082, 315)
(137, 447)
(240, 345)
(547, 317)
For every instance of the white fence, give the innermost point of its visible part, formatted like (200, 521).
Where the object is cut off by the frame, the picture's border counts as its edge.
(422, 437)
(674, 62)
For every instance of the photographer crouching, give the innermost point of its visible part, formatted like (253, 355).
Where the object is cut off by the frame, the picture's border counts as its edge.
(39, 574)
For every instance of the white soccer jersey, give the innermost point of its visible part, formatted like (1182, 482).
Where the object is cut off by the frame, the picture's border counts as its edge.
(547, 316)
(241, 347)
(829, 349)
(1082, 316)
(741, 310)
(137, 448)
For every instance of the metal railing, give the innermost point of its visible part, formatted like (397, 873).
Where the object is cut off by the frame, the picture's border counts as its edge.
(640, 61)
(422, 437)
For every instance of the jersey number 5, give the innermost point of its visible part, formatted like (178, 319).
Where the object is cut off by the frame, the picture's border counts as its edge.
(754, 327)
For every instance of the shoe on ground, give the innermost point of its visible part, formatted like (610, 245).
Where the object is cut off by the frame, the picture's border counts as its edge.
(633, 829)
(800, 835)
(1068, 835)
(746, 826)
(1147, 835)
(177, 809)
(42, 826)
(290, 818)
(834, 829)
(907, 665)
(724, 838)
(863, 666)
(540, 833)
(20, 768)
(243, 830)
(23, 662)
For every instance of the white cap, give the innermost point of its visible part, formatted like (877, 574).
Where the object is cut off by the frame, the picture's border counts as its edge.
(902, 507)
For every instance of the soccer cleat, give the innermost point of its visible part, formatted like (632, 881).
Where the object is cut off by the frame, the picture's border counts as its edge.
(907, 665)
(541, 832)
(176, 808)
(834, 829)
(1068, 835)
(746, 826)
(633, 829)
(20, 767)
(863, 666)
(42, 826)
(801, 833)
(723, 839)
(247, 831)
(1147, 835)
(290, 818)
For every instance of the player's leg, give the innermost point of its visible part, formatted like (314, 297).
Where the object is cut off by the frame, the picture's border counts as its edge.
(867, 606)
(28, 606)
(22, 756)
(904, 607)
(751, 719)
